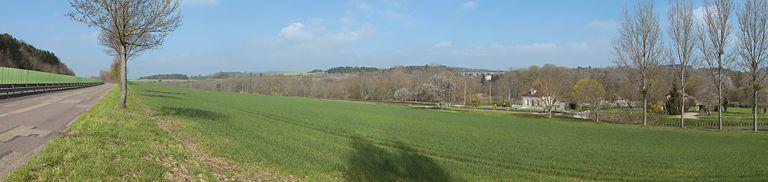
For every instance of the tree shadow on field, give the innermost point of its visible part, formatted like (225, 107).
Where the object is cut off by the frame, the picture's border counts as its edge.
(191, 113)
(163, 92)
(369, 162)
(161, 96)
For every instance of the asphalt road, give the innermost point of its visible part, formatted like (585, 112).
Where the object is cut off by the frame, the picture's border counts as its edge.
(28, 123)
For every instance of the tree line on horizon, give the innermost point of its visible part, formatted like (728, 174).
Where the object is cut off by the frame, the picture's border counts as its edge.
(463, 88)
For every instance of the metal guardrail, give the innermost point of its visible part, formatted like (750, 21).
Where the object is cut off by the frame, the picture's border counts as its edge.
(17, 90)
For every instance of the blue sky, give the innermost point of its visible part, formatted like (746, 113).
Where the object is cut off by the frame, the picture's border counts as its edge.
(292, 35)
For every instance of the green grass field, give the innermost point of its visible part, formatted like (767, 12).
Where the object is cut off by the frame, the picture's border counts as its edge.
(325, 140)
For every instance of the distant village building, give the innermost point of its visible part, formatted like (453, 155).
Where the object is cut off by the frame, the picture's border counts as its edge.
(530, 99)
(482, 73)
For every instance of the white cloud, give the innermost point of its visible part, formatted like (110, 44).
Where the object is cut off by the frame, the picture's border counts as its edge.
(602, 25)
(296, 32)
(444, 44)
(350, 35)
(578, 46)
(317, 33)
(345, 20)
(394, 9)
(698, 13)
(469, 4)
(201, 2)
(362, 5)
(533, 47)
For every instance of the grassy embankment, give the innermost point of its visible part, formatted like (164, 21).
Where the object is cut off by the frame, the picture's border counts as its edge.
(107, 144)
(323, 140)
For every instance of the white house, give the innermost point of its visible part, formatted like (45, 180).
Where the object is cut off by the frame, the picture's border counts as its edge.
(534, 101)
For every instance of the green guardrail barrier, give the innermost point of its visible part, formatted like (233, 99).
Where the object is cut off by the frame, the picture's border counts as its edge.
(22, 76)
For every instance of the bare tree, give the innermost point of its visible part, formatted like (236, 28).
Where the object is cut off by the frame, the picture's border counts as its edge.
(753, 48)
(639, 47)
(128, 27)
(682, 35)
(553, 83)
(713, 38)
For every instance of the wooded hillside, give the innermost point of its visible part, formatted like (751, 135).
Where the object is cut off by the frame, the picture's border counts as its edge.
(166, 76)
(16, 53)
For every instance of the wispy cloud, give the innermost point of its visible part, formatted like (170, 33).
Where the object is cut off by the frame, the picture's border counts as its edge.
(469, 4)
(317, 33)
(393, 9)
(444, 44)
(296, 32)
(602, 25)
(698, 13)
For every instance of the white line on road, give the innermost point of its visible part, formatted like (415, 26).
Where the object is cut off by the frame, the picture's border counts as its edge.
(3, 115)
(29, 108)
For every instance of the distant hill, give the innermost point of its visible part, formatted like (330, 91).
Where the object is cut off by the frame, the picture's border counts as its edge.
(457, 69)
(16, 53)
(165, 77)
(335, 70)
(351, 69)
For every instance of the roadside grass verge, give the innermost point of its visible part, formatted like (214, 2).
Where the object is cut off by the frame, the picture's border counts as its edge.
(107, 144)
(326, 140)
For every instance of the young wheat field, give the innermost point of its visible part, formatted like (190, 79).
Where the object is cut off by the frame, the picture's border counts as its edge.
(332, 140)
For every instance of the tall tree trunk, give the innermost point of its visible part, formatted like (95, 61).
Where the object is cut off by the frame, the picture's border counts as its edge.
(754, 108)
(682, 99)
(719, 100)
(597, 116)
(123, 77)
(645, 109)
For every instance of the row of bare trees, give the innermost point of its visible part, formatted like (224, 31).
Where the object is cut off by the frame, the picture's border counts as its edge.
(640, 47)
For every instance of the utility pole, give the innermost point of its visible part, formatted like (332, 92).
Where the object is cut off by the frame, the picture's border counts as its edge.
(488, 79)
(465, 93)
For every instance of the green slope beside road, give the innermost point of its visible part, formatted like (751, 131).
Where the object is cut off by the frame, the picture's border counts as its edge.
(110, 145)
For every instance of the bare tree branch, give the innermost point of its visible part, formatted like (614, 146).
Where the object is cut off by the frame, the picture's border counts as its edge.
(752, 48)
(639, 48)
(128, 27)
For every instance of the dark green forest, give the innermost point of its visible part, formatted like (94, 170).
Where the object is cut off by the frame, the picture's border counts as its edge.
(16, 53)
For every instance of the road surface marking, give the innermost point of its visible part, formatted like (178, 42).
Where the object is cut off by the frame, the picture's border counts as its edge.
(23, 131)
(3, 115)
(70, 101)
(29, 108)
